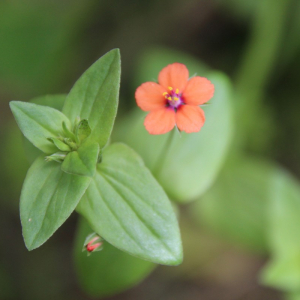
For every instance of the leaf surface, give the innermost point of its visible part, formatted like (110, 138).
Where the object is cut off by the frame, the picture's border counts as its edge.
(127, 207)
(236, 206)
(48, 197)
(283, 271)
(38, 123)
(83, 161)
(95, 97)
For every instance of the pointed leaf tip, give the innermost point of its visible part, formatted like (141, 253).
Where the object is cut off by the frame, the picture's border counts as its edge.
(38, 123)
(95, 97)
(48, 198)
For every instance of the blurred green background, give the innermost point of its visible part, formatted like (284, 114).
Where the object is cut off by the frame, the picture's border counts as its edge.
(240, 222)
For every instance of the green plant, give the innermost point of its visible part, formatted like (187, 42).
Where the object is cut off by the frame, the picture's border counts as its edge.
(77, 170)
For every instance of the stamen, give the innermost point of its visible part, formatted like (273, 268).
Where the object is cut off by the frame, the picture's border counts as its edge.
(176, 99)
(165, 93)
(177, 91)
(170, 98)
(170, 88)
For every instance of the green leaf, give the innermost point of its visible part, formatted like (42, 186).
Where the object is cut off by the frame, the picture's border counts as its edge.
(284, 269)
(48, 198)
(54, 101)
(192, 161)
(38, 123)
(46, 61)
(235, 207)
(293, 296)
(109, 271)
(83, 161)
(126, 206)
(95, 97)
(60, 144)
(283, 272)
(83, 130)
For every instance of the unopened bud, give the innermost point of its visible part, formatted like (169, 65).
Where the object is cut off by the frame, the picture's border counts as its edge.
(58, 156)
(93, 243)
(71, 144)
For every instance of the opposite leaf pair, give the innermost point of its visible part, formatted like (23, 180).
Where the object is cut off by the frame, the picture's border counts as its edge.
(119, 197)
(40, 124)
(77, 157)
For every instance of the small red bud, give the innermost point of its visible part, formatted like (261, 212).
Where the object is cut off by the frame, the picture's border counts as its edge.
(91, 248)
(93, 243)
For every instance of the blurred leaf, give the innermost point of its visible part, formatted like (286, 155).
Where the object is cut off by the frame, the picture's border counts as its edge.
(235, 207)
(38, 123)
(283, 272)
(258, 66)
(82, 161)
(48, 198)
(126, 206)
(284, 269)
(193, 161)
(107, 272)
(37, 42)
(292, 296)
(95, 97)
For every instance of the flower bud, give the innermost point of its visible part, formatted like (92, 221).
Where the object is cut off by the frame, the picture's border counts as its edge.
(93, 243)
(58, 157)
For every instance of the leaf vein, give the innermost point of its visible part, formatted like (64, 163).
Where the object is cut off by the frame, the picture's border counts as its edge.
(47, 207)
(131, 190)
(116, 218)
(151, 230)
(48, 129)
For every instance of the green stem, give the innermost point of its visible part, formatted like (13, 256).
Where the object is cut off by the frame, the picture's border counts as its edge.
(260, 57)
(164, 152)
(264, 45)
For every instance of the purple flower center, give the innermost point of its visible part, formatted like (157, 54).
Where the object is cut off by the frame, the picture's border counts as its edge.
(173, 97)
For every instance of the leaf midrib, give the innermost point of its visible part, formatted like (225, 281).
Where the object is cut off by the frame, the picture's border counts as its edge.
(116, 218)
(151, 230)
(47, 207)
(94, 100)
(43, 126)
(131, 190)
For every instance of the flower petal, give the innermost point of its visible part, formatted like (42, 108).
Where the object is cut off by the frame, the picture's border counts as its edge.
(160, 121)
(198, 91)
(149, 96)
(175, 75)
(190, 118)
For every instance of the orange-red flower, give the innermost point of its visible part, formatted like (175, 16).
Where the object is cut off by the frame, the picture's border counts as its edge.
(174, 100)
